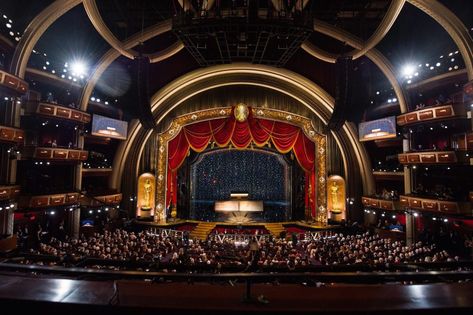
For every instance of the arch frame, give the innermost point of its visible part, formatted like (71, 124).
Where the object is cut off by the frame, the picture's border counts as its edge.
(301, 122)
(299, 88)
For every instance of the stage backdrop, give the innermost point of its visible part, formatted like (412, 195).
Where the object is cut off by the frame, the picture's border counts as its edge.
(241, 133)
(263, 174)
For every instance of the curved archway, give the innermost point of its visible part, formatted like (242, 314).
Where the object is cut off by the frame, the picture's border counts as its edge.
(297, 87)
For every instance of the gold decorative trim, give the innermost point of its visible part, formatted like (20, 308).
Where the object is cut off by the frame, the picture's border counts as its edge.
(198, 81)
(222, 112)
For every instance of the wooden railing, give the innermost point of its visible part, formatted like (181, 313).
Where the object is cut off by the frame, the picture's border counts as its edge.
(95, 201)
(433, 157)
(48, 153)
(9, 192)
(432, 113)
(43, 201)
(13, 82)
(379, 203)
(419, 203)
(57, 111)
(10, 134)
(434, 205)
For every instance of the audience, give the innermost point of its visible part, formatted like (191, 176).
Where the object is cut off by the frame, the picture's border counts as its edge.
(329, 248)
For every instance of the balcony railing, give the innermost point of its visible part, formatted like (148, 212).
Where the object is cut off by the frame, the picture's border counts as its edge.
(9, 192)
(379, 203)
(57, 111)
(12, 82)
(432, 113)
(44, 201)
(12, 135)
(434, 157)
(96, 201)
(55, 154)
(419, 203)
(435, 205)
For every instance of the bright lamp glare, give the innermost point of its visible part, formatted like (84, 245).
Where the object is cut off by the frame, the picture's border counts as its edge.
(78, 68)
(408, 70)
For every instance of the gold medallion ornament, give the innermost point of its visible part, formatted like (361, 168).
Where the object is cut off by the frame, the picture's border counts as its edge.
(241, 112)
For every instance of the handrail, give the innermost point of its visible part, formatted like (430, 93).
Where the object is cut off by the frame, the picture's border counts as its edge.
(323, 276)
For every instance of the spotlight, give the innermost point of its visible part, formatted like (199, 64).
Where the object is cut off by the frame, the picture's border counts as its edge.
(445, 220)
(79, 67)
(394, 217)
(53, 212)
(416, 214)
(408, 70)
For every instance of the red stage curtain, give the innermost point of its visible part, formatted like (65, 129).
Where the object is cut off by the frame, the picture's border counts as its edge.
(284, 136)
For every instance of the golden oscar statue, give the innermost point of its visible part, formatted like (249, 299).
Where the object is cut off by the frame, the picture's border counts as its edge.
(334, 195)
(147, 195)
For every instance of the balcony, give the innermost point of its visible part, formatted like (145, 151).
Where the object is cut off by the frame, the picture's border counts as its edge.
(9, 192)
(13, 83)
(378, 203)
(96, 171)
(434, 205)
(434, 157)
(44, 201)
(11, 135)
(96, 201)
(432, 113)
(57, 111)
(55, 154)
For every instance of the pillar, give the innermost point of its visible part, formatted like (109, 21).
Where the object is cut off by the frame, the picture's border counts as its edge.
(73, 222)
(6, 221)
(410, 228)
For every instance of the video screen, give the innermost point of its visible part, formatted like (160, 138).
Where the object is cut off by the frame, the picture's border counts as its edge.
(384, 128)
(108, 127)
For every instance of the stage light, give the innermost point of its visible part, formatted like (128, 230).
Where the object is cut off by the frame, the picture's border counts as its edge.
(394, 217)
(408, 70)
(90, 211)
(409, 81)
(79, 68)
(416, 214)
(12, 205)
(445, 220)
(438, 64)
(53, 212)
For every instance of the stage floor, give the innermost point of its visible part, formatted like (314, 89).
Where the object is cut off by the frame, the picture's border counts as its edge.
(301, 224)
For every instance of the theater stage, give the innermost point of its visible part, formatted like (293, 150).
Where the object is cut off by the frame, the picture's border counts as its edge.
(201, 229)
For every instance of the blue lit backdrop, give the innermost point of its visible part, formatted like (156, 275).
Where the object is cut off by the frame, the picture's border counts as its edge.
(263, 175)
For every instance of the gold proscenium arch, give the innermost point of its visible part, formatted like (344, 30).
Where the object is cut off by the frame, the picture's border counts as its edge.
(303, 123)
(306, 92)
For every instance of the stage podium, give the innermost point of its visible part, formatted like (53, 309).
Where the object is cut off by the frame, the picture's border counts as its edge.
(239, 203)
